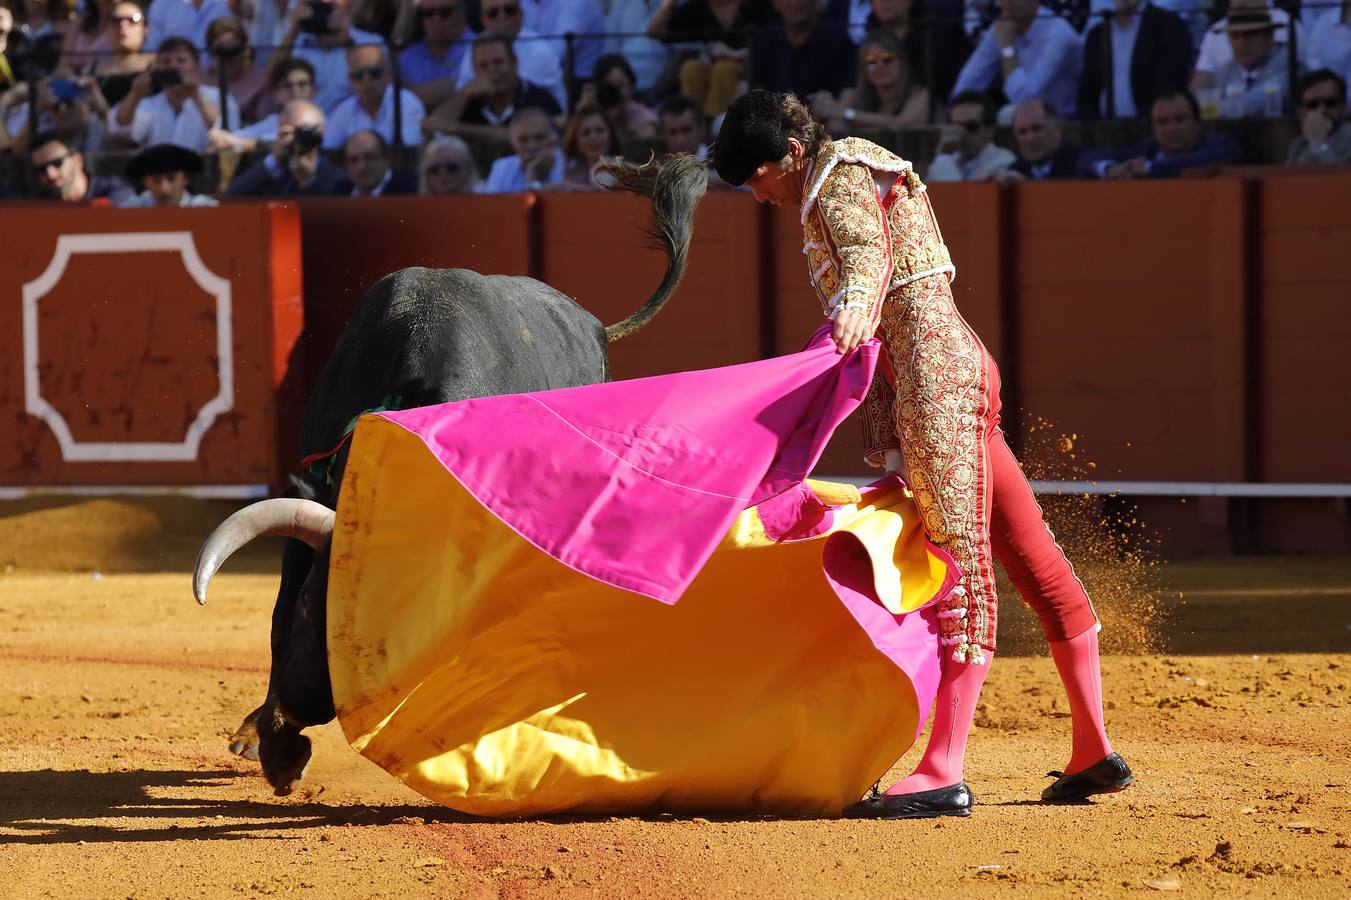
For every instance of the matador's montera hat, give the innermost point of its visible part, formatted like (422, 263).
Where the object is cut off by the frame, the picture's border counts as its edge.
(752, 133)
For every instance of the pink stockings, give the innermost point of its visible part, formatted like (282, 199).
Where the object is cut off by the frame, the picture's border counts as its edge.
(1077, 662)
(954, 708)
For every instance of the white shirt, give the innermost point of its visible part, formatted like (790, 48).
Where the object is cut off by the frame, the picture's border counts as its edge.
(1216, 52)
(265, 129)
(145, 200)
(155, 122)
(179, 18)
(1331, 47)
(508, 176)
(536, 63)
(951, 167)
(581, 17)
(330, 66)
(1123, 46)
(378, 190)
(627, 24)
(349, 118)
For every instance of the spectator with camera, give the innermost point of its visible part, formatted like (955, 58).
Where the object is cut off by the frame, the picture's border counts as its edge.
(187, 19)
(69, 105)
(1325, 133)
(370, 172)
(320, 32)
(481, 109)
(803, 53)
(1029, 55)
(295, 167)
(612, 90)
(59, 172)
(165, 170)
(227, 48)
(431, 67)
(1150, 50)
(371, 106)
(535, 58)
(127, 27)
(290, 79)
(448, 167)
(966, 147)
(1178, 144)
(167, 103)
(537, 162)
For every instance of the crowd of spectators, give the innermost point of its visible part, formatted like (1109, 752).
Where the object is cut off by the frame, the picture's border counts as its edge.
(375, 97)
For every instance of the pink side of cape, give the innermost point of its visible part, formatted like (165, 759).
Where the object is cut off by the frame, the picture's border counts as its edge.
(634, 483)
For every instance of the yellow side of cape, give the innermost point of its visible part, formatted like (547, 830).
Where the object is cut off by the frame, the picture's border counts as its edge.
(496, 680)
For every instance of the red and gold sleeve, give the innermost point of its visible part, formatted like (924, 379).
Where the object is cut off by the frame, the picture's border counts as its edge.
(855, 225)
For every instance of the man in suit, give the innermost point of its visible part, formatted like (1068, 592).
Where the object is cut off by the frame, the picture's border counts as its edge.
(1150, 50)
(295, 167)
(1178, 144)
(370, 171)
(1043, 153)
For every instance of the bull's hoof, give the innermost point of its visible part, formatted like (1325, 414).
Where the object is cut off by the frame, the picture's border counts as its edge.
(285, 754)
(244, 742)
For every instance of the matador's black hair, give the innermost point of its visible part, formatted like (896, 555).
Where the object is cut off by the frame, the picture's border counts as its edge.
(752, 132)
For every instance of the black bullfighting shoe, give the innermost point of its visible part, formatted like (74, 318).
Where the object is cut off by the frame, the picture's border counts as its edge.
(954, 800)
(1106, 777)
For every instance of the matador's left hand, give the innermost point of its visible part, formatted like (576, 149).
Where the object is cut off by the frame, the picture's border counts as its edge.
(851, 329)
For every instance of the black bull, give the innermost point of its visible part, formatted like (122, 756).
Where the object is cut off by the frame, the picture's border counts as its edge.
(418, 337)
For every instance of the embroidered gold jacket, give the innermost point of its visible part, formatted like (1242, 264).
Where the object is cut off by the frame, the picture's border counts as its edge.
(868, 229)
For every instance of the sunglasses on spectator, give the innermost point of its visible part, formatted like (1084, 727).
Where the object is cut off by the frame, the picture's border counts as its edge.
(371, 72)
(293, 86)
(877, 60)
(439, 12)
(970, 125)
(1322, 103)
(444, 168)
(498, 11)
(133, 19)
(43, 168)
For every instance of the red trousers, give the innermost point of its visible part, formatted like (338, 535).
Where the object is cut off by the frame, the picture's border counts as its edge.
(939, 401)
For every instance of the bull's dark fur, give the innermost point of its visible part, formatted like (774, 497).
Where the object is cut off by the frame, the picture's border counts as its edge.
(421, 337)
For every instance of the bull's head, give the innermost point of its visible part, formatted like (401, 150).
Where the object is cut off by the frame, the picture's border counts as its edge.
(299, 692)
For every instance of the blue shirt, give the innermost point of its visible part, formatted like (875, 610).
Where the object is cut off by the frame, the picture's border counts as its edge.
(330, 66)
(349, 118)
(1049, 56)
(418, 66)
(508, 176)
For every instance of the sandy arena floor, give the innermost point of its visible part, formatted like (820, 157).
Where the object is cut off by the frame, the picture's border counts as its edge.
(119, 692)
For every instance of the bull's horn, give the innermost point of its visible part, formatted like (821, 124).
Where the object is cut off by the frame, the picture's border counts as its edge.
(285, 516)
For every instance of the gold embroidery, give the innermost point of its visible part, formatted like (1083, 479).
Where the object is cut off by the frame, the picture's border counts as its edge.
(941, 413)
(848, 248)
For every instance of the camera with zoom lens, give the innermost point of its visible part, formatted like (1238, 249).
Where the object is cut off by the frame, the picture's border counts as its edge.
(162, 78)
(317, 21)
(305, 139)
(608, 96)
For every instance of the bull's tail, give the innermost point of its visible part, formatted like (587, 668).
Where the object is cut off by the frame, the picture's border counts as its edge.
(675, 184)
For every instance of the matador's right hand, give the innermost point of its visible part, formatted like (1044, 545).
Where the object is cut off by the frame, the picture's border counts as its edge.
(851, 329)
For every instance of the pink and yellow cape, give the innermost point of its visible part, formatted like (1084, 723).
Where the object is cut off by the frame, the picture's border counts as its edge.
(493, 636)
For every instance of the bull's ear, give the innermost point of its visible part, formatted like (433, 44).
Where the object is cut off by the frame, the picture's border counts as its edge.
(833, 493)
